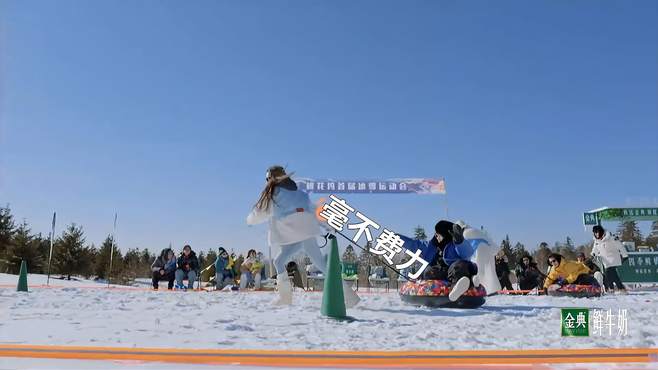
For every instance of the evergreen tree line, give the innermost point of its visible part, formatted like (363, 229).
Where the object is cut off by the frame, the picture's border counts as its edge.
(72, 255)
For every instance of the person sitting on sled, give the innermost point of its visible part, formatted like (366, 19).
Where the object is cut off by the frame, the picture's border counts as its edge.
(448, 255)
(293, 228)
(565, 272)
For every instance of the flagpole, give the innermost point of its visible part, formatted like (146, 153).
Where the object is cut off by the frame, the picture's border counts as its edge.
(114, 230)
(445, 194)
(50, 256)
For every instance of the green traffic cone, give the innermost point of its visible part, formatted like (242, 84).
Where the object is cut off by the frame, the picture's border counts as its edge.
(22, 278)
(333, 300)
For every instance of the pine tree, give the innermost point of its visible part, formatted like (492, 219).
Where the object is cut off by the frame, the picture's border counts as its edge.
(506, 248)
(568, 250)
(43, 244)
(71, 255)
(419, 233)
(569, 242)
(102, 262)
(24, 247)
(652, 238)
(145, 261)
(7, 230)
(201, 257)
(349, 255)
(518, 252)
(211, 257)
(630, 232)
(541, 256)
(131, 266)
(585, 249)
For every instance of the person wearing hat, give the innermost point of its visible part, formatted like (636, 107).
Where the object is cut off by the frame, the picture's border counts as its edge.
(293, 228)
(223, 269)
(448, 255)
(612, 254)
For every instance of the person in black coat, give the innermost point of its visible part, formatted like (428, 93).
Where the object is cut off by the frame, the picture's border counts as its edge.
(502, 271)
(163, 268)
(528, 274)
(188, 267)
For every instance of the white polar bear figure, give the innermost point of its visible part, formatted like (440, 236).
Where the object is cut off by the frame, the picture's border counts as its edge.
(484, 258)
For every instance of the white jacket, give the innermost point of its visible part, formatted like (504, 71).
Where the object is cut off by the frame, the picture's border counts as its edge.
(610, 251)
(291, 218)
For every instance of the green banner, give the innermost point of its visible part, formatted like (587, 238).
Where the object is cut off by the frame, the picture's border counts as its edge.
(350, 269)
(641, 267)
(620, 214)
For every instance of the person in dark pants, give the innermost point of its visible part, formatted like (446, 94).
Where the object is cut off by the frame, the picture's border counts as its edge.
(188, 267)
(164, 268)
(502, 270)
(612, 254)
(528, 274)
(444, 256)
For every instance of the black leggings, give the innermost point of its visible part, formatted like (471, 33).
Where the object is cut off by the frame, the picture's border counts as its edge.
(586, 279)
(169, 277)
(528, 283)
(457, 270)
(611, 277)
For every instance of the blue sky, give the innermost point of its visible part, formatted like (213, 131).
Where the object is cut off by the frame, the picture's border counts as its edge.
(169, 112)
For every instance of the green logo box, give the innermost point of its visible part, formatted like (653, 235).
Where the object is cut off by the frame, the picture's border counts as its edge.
(575, 322)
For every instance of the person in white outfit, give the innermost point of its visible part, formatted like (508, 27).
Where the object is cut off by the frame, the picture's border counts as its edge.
(612, 254)
(293, 228)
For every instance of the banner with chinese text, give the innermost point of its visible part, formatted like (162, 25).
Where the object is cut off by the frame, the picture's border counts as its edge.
(387, 186)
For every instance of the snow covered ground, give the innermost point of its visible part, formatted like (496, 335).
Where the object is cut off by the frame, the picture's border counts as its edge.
(37, 280)
(231, 320)
(77, 314)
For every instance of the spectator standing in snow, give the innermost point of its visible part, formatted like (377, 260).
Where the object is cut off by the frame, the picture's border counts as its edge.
(612, 254)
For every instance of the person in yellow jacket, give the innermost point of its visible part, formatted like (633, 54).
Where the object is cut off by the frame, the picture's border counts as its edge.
(567, 272)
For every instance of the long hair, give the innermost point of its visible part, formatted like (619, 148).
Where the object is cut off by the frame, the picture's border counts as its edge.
(275, 175)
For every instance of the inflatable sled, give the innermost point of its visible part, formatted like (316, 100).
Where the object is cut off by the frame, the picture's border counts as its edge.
(577, 291)
(434, 293)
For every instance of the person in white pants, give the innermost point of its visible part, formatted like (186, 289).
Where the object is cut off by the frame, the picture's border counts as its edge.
(293, 228)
